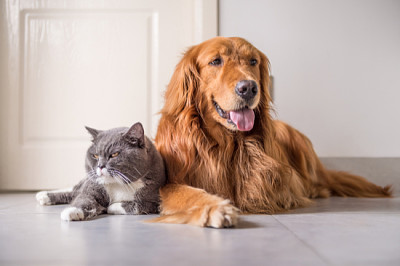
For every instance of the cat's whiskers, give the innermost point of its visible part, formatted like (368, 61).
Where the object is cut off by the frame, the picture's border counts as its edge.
(145, 174)
(121, 175)
(117, 179)
(121, 179)
(91, 174)
(127, 182)
(131, 188)
(125, 176)
(136, 170)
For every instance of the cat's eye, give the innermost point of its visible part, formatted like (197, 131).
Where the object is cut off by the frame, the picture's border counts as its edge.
(115, 154)
(95, 156)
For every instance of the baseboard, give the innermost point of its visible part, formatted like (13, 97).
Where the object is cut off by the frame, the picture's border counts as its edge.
(381, 171)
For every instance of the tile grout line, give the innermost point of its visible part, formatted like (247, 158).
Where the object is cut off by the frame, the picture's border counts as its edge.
(302, 241)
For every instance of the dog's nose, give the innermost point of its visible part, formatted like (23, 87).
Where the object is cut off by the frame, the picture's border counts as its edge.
(246, 89)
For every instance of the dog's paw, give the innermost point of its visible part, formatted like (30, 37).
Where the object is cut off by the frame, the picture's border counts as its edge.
(43, 198)
(116, 208)
(223, 215)
(72, 214)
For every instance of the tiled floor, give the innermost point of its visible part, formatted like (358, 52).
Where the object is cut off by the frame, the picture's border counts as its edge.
(336, 231)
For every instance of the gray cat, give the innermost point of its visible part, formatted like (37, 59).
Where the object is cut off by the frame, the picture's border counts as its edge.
(124, 175)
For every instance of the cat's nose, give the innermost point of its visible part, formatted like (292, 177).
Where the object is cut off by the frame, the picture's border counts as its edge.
(101, 170)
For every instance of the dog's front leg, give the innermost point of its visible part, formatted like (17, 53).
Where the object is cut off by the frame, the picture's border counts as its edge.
(184, 204)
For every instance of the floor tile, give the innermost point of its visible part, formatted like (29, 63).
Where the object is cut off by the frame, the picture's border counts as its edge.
(349, 238)
(334, 231)
(13, 199)
(33, 235)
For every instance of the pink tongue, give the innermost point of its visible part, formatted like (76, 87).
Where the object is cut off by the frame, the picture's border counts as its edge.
(243, 119)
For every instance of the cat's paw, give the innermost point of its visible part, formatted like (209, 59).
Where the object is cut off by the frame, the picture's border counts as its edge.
(116, 208)
(223, 215)
(72, 214)
(43, 198)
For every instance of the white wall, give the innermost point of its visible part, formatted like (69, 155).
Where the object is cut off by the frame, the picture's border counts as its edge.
(336, 66)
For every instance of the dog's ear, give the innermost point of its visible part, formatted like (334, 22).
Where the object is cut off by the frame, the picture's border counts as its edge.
(264, 77)
(183, 85)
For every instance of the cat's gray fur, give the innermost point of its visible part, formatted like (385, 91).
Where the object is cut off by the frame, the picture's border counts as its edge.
(124, 175)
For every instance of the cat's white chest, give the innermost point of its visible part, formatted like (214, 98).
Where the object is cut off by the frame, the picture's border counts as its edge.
(123, 192)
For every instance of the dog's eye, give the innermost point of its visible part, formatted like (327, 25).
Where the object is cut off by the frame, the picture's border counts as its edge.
(253, 62)
(216, 62)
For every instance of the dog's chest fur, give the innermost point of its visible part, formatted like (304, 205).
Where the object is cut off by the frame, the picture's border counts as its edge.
(123, 192)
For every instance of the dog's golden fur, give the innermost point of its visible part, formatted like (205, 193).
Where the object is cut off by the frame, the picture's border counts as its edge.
(269, 169)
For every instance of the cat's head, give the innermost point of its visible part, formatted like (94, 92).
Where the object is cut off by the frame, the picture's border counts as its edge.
(118, 155)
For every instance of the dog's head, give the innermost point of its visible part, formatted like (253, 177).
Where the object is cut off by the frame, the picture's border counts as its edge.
(225, 79)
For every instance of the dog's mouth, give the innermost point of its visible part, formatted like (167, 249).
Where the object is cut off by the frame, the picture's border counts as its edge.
(242, 119)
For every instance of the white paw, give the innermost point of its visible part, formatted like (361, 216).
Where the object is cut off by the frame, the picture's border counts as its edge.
(116, 208)
(223, 215)
(72, 214)
(43, 198)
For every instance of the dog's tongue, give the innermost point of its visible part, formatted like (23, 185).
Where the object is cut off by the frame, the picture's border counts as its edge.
(243, 119)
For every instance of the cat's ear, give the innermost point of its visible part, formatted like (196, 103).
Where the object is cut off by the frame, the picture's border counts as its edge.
(135, 135)
(93, 132)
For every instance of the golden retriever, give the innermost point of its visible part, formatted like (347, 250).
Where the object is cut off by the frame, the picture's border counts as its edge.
(223, 151)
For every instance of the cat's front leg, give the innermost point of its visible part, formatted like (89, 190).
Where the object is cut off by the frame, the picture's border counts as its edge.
(116, 208)
(61, 196)
(81, 213)
(72, 214)
(82, 208)
(130, 207)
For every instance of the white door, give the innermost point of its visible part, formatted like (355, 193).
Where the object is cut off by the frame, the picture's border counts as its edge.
(100, 63)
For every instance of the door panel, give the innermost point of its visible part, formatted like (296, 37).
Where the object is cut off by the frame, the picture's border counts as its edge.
(68, 64)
